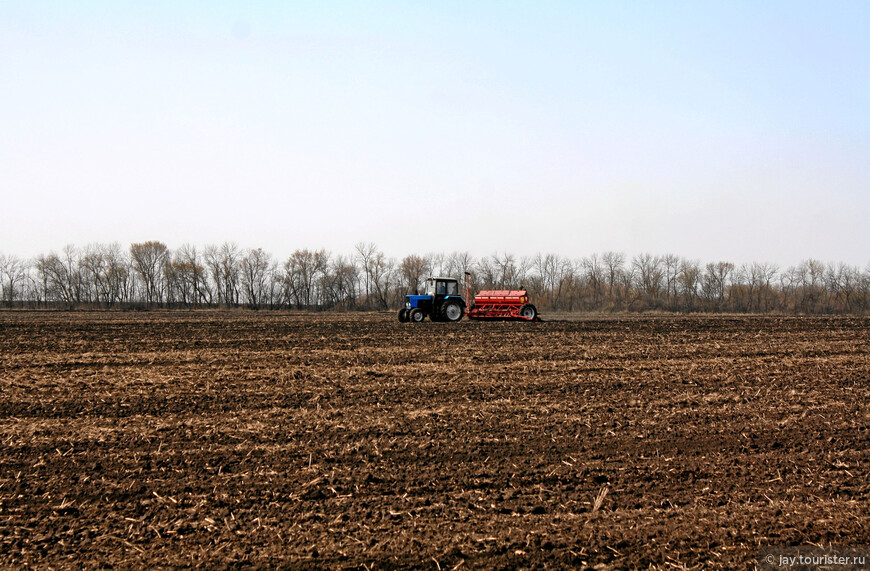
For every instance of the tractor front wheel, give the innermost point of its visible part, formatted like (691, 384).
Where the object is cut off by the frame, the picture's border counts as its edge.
(451, 311)
(403, 315)
(528, 311)
(416, 315)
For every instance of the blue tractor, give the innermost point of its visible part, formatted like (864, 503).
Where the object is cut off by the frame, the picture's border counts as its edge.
(440, 302)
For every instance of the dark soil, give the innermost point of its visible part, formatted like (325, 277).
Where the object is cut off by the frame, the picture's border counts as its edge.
(237, 439)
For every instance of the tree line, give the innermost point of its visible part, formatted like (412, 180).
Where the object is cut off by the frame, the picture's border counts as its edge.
(149, 274)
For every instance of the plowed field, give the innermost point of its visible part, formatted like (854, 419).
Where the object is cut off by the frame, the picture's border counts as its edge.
(245, 439)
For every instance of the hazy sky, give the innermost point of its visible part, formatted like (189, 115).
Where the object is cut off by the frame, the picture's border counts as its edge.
(732, 131)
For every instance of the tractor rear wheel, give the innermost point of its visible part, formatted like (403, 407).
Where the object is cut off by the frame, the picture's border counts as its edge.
(528, 311)
(403, 315)
(451, 311)
(416, 315)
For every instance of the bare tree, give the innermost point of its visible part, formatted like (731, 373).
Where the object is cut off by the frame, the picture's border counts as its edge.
(671, 267)
(507, 269)
(438, 264)
(551, 272)
(212, 258)
(256, 268)
(191, 275)
(59, 277)
(377, 273)
(119, 274)
(413, 269)
(486, 274)
(149, 261)
(755, 283)
(740, 291)
(627, 296)
(714, 284)
(339, 284)
(29, 290)
(594, 273)
(382, 273)
(503, 271)
(229, 258)
(547, 269)
(94, 275)
(809, 293)
(105, 274)
(43, 280)
(650, 276)
(788, 283)
(302, 273)
(766, 297)
(462, 266)
(576, 288)
(862, 299)
(842, 283)
(73, 271)
(365, 256)
(689, 280)
(13, 271)
(223, 269)
(458, 263)
(614, 267)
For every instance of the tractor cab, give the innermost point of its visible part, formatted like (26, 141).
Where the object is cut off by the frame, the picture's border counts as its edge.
(440, 302)
(441, 287)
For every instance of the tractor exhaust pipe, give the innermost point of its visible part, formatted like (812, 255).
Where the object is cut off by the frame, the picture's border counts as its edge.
(468, 290)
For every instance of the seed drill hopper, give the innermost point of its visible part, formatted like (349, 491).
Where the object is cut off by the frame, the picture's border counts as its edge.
(502, 304)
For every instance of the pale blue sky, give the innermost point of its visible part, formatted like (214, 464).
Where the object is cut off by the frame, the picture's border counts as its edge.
(714, 130)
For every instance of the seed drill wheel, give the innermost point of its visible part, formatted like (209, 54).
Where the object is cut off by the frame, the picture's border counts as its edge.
(451, 311)
(528, 311)
(403, 315)
(416, 315)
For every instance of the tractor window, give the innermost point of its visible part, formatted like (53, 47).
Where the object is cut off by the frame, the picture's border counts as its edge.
(452, 288)
(441, 289)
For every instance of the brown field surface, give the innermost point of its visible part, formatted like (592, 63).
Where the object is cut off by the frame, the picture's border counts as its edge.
(256, 439)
